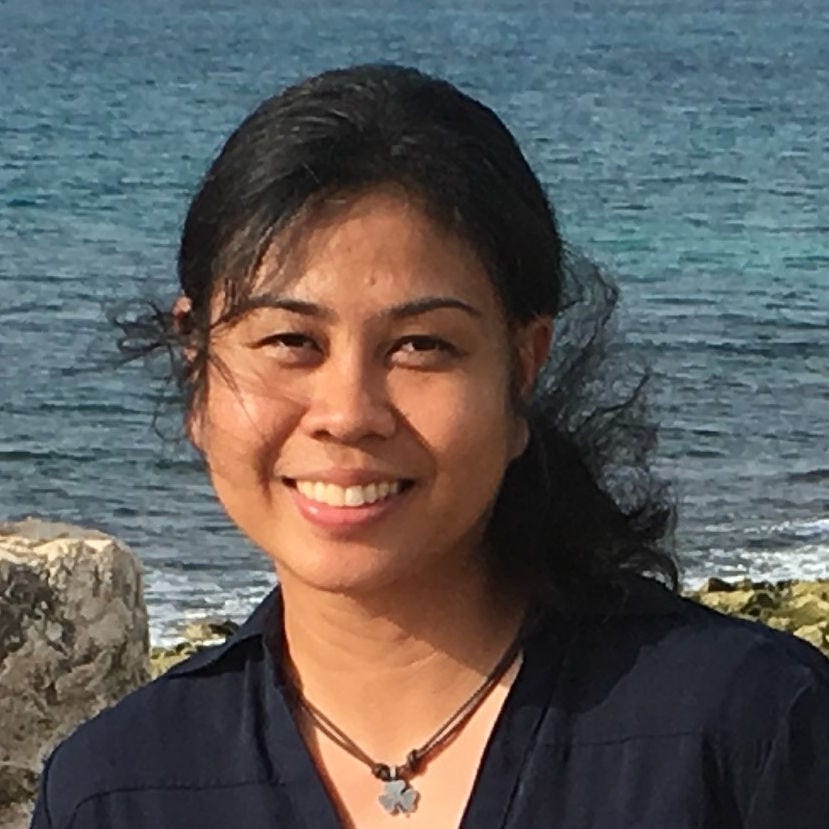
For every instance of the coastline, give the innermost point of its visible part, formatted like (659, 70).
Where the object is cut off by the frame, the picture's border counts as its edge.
(76, 633)
(797, 606)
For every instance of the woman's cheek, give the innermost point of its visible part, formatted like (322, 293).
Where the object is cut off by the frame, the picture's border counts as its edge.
(463, 422)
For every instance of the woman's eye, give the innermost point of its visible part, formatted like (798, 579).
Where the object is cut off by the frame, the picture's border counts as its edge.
(423, 343)
(424, 350)
(289, 345)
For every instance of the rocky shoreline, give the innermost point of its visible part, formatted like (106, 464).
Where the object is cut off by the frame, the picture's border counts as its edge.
(74, 637)
(798, 607)
(196, 635)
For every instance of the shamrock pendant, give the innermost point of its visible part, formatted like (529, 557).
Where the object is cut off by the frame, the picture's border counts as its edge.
(398, 797)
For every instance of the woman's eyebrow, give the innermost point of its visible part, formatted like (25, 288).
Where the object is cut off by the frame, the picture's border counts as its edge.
(404, 310)
(430, 303)
(285, 303)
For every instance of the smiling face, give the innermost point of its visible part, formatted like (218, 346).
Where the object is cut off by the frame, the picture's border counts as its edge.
(368, 424)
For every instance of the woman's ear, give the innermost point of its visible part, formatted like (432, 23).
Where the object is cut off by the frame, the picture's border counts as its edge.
(182, 311)
(533, 347)
(194, 428)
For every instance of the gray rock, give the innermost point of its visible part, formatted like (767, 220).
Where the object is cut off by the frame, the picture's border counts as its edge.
(210, 630)
(73, 640)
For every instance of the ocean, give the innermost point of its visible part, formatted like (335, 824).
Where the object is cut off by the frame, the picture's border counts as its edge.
(685, 147)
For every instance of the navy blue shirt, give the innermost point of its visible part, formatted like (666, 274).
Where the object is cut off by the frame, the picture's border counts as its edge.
(655, 714)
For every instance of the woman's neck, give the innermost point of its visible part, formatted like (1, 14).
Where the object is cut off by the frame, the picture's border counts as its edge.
(389, 668)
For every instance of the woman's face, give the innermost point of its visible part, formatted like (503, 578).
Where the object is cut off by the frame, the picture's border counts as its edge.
(368, 424)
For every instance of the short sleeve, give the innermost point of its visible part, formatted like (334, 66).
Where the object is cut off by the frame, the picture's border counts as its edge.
(792, 789)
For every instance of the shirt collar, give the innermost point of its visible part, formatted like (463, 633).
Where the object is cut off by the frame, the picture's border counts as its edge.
(635, 595)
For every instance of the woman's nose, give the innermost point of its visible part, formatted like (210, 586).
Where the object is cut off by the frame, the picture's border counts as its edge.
(350, 403)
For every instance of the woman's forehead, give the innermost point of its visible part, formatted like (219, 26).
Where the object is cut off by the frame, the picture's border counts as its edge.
(381, 245)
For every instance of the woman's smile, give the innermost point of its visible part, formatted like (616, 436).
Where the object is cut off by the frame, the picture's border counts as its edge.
(336, 507)
(354, 495)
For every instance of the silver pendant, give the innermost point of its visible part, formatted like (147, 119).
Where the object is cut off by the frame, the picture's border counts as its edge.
(398, 797)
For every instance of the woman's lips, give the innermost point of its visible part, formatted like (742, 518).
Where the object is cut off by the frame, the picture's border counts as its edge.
(340, 507)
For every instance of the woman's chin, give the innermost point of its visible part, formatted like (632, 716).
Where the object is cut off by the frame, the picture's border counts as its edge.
(356, 573)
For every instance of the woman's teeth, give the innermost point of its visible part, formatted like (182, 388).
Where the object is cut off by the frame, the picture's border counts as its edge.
(348, 496)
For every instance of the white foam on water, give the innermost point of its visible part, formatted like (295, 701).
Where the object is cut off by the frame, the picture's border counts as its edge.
(807, 528)
(174, 599)
(814, 528)
(807, 561)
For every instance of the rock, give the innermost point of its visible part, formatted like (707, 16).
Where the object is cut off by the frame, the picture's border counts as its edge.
(814, 634)
(799, 607)
(162, 659)
(809, 610)
(198, 634)
(715, 585)
(732, 602)
(818, 589)
(73, 640)
(780, 623)
(211, 630)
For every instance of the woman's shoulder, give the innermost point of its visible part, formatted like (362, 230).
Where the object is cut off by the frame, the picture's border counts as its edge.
(169, 732)
(711, 716)
(641, 608)
(680, 666)
(714, 643)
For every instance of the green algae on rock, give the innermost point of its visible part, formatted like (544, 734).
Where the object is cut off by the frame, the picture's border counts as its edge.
(798, 607)
(196, 635)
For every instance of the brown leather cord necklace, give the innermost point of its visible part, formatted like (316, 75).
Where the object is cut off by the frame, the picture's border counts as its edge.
(398, 795)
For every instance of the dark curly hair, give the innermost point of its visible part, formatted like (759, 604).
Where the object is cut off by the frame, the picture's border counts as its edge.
(580, 507)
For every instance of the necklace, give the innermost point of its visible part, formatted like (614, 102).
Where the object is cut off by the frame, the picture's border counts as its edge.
(398, 795)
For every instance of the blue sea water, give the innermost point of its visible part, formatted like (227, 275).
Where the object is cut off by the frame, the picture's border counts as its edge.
(685, 146)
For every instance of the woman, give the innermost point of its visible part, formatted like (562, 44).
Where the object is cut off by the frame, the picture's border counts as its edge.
(370, 273)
